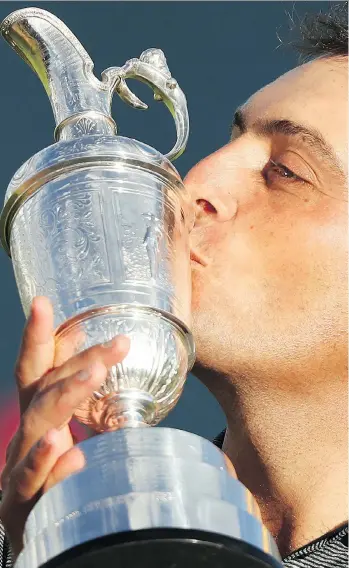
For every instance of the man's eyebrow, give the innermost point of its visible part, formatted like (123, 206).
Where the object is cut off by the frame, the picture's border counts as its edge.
(310, 136)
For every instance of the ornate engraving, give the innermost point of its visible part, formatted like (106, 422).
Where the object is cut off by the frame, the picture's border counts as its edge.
(155, 364)
(146, 251)
(153, 342)
(133, 254)
(92, 220)
(85, 125)
(68, 254)
(70, 88)
(154, 243)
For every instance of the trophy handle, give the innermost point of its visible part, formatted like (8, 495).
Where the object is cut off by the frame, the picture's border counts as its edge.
(151, 68)
(81, 103)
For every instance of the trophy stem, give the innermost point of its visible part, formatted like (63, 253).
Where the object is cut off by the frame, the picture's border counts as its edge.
(127, 409)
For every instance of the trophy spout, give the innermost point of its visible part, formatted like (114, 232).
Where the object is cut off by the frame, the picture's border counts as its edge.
(81, 103)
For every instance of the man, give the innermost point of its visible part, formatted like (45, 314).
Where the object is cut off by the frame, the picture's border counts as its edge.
(270, 317)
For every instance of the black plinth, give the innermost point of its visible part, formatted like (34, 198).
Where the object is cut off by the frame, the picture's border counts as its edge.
(164, 548)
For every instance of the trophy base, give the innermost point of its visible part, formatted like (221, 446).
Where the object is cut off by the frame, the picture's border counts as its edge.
(149, 497)
(165, 548)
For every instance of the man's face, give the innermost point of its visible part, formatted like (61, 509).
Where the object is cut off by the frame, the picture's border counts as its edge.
(271, 231)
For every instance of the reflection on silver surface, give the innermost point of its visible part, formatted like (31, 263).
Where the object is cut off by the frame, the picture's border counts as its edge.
(142, 479)
(99, 224)
(82, 103)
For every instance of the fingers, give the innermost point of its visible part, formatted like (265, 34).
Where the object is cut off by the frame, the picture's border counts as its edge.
(37, 349)
(21, 489)
(38, 354)
(30, 474)
(108, 354)
(70, 462)
(54, 406)
(62, 391)
(68, 345)
(49, 395)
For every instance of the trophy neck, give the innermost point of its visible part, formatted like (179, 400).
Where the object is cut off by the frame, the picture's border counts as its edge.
(85, 123)
(81, 103)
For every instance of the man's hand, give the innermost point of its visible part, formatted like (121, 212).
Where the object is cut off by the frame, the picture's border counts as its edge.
(51, 385)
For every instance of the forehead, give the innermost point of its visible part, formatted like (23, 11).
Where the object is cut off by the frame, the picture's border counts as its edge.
(315, 95)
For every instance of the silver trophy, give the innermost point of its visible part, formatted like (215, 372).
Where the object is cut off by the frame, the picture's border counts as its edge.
(99, 223)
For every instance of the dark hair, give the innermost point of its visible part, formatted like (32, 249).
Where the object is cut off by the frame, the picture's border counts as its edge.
(321, 35)
(324, 34)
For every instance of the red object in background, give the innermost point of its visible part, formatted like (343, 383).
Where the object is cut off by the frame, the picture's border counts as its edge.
(9, 420)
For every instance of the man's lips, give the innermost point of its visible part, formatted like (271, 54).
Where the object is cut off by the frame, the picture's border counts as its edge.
(196, 258)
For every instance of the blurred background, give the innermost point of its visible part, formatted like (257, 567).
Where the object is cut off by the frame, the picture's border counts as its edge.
(220, 53)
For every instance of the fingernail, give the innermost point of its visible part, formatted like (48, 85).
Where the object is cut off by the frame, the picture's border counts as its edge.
(110, 343)
(120, 341)
(115, 342)
(123, 342)
(51, 436)
(83, 375)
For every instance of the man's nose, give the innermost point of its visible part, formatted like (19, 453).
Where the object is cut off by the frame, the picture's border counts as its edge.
(228, 180)
(211, 186)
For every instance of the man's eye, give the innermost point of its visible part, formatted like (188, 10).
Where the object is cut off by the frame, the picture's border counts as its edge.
(275, 169)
